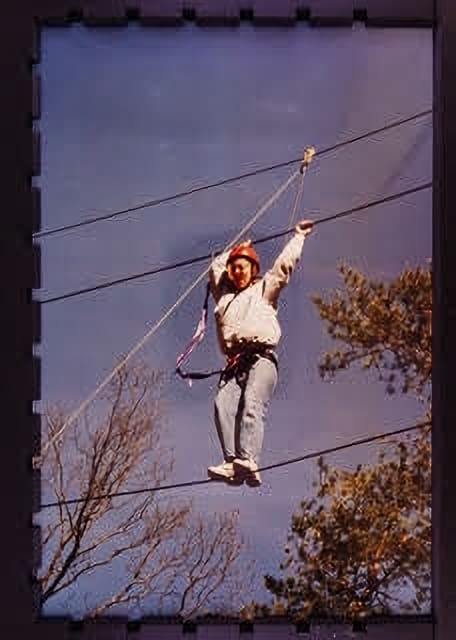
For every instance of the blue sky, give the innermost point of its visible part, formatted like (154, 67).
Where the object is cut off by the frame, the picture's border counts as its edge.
(135, 114)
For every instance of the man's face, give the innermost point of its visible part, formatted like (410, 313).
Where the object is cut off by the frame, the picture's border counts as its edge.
(241, 272)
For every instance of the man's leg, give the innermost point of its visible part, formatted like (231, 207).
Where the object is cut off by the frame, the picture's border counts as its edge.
(260, 385)
(225, 410)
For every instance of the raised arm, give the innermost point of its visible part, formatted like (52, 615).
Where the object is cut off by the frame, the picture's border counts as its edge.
(280, 273)
(217, 274)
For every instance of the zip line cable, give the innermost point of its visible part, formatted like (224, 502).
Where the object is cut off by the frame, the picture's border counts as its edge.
(349, 212)
(225, 181)
(190, 261)
(37, 460)
(192, 483)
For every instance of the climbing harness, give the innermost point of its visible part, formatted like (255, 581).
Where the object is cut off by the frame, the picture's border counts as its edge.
(241, 364)
(238, 364)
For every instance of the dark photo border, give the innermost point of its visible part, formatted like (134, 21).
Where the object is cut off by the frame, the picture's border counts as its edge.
(20, 153)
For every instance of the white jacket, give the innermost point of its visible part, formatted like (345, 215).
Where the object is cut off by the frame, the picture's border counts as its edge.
(250, 315)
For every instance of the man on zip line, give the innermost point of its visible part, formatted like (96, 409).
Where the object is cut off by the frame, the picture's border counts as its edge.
(248, 331)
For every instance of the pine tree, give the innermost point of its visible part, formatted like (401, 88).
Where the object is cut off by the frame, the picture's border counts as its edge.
(362, 544)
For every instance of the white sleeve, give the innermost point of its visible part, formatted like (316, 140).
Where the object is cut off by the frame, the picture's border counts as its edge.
(279, 275)
(217, 274)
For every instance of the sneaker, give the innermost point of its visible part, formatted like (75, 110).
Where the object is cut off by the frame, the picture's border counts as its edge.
(222, 471)
(253, 479)
(248, 470)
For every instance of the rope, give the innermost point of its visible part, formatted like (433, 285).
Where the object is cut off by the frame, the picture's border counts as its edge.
(297, 198)
(37, 460)
(308, 155)
(225, 181)
(193, 483)
(190, 261)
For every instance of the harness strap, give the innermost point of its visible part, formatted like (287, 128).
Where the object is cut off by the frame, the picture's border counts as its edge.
(197, 337)
(197, 375)
(238, 365)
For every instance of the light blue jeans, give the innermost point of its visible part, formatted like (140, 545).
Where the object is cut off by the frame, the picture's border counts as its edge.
(240, 408)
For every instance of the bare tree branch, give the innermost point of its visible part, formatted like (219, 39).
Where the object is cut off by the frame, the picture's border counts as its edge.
(169, 552)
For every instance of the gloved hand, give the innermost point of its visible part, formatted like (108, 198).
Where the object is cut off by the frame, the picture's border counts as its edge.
(304, 227)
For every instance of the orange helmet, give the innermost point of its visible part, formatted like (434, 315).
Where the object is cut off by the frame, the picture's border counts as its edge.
(244, 251)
